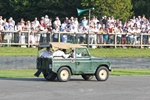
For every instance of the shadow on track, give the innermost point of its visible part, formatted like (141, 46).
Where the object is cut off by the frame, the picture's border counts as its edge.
(44, 80)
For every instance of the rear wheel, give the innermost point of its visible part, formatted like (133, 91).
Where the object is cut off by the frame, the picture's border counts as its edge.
(102, 74)
(49, 76)
(64, 74)
(87, 77)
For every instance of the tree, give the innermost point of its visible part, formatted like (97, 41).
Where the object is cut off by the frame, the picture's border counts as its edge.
(5, 8)
(141, 7)
(120, 9)
(28, 9)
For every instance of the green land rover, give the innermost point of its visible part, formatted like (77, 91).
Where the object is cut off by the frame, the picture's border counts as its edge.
(82, 63)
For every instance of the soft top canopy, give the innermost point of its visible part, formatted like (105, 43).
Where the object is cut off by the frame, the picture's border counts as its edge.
(56, 45)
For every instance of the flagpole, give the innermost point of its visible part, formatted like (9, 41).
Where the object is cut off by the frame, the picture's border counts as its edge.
(88, 40)
(81, 11)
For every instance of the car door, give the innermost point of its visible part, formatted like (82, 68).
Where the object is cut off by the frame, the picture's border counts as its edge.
(83, 61)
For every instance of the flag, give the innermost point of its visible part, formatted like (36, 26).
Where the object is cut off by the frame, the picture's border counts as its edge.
(79, 11)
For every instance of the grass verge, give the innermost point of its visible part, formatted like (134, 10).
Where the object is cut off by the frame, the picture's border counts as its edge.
(99, 52)
(29, 73)
(130, 72)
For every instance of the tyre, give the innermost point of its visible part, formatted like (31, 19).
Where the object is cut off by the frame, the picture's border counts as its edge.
(64, 74)
(87, 77)
(102, 74)
(50, 76)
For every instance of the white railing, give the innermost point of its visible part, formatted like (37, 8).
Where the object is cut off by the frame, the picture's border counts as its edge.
(26, 38)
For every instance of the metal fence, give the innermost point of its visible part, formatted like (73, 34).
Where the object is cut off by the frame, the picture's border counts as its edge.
(32, 38)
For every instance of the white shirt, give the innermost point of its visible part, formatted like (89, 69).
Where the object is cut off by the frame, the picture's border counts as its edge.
(46, 54)
(36, 23)
(1, 28)
(46, 20)
(57, 23)
(1, 21)
(11, 26)
(60, 53)
(84, 23)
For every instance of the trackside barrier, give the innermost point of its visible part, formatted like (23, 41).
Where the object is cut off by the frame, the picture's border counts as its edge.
(32, 38)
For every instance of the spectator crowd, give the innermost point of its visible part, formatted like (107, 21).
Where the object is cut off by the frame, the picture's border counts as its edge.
(102, 30)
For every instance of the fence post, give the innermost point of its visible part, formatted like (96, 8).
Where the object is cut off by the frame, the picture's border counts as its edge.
(28, 38)
(115, 40)
(58, 36)
(50, 36)
(141, 38)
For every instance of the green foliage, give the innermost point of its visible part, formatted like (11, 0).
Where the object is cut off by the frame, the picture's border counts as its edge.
(28, 9)
(141, 7)
(120, 9)
(5, 8)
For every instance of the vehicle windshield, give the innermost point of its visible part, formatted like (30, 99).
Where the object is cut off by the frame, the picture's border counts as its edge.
(82, 53)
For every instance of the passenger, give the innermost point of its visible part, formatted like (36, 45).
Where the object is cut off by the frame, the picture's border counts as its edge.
(46, 53)
(60, 53)
(72, 54)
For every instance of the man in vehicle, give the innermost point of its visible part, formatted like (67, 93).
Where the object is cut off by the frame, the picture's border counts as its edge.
(46, 53)
(60, 53)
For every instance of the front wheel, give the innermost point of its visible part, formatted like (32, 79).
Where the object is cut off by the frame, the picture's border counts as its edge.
(64, 74)
(87, 77)
(102, 74)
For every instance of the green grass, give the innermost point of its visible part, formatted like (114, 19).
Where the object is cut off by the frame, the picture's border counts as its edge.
(18, 51)
(120, 52)
(29, 73)
(17, 73)
(117, 53)
(130, 72)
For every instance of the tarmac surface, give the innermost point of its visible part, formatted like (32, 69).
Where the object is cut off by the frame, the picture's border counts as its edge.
(115, 88)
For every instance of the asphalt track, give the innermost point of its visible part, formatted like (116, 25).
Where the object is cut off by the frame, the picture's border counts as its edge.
(115, 88)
